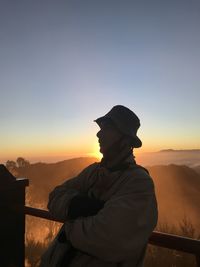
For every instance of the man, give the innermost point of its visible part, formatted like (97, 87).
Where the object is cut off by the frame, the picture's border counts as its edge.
(110, 208)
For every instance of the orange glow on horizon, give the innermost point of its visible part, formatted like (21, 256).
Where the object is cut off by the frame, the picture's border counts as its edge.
(95, 151)
(86, 146)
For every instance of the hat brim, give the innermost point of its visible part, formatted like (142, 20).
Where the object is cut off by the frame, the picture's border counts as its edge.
(136, 140)
(101, 119)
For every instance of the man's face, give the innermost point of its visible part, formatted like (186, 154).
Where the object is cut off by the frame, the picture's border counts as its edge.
(107, 135)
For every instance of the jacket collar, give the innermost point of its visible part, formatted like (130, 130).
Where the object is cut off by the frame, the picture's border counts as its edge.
(122, 165)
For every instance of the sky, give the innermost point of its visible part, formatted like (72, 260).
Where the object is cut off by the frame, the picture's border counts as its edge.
(65, 63)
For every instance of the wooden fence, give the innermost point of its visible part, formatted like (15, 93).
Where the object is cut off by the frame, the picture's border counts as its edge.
(12, 224)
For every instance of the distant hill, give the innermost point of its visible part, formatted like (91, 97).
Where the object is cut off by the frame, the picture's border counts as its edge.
(190, 157)
(43, 177)
(177, 187)
(178, 193)
(181, 150)
(197, 169)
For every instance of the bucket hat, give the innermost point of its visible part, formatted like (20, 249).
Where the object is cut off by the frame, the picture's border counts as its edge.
(125, 120)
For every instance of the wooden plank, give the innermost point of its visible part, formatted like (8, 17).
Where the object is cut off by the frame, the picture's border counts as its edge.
(160, 239)
(179, 243)
(44, 214)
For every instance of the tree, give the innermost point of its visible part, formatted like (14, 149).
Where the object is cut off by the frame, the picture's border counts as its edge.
(11, 165)
(21, 162)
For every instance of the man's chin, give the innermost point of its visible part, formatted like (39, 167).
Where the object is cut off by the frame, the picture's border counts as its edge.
(101, 150)
(104, 151)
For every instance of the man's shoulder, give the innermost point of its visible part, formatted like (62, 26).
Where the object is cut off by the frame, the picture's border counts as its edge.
(138, 171)
(137, 174)
(90, 168)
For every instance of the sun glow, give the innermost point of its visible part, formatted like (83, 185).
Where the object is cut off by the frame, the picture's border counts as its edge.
(95, 152)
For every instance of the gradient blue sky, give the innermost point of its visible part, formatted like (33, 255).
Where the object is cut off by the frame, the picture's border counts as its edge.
(65, 63)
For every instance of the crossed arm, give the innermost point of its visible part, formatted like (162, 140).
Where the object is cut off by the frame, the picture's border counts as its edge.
(119, 229)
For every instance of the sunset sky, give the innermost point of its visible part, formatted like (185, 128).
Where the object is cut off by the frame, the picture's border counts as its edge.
(65, 63)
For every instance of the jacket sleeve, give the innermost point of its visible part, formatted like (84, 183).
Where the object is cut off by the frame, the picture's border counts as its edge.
(60, 197)
(120, 231)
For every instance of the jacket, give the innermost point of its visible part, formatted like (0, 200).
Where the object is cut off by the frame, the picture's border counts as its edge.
(118, 234)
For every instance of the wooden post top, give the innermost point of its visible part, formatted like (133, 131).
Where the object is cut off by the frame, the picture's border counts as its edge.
(7, 179)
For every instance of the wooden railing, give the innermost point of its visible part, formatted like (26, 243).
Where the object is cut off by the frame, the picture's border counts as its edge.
(160, 239)
(12, 224)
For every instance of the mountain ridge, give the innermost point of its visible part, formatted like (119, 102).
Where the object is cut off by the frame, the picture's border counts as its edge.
(177, 186)
(179, 150)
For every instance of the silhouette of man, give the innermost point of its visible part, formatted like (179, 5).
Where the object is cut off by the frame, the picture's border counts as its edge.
(110, 208)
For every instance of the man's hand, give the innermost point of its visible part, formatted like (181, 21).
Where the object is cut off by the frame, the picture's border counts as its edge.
(83, 206)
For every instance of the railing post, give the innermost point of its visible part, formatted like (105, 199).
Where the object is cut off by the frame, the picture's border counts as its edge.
(12, 221)
(198, 260)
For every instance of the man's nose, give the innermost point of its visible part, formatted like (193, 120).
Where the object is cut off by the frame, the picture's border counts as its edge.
(99, 133)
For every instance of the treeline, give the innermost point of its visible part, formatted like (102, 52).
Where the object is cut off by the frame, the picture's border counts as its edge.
(19, 163)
